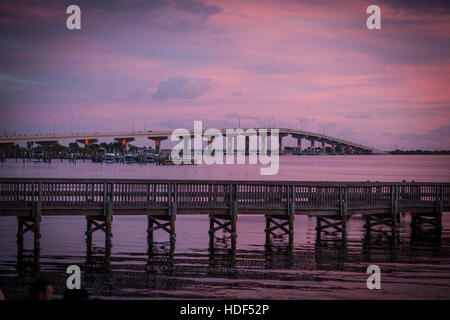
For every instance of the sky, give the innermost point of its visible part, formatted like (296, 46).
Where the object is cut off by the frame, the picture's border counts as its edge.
(162, 64)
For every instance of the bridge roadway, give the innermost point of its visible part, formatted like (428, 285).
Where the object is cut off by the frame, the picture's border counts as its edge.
(158, 136)
(332, 203)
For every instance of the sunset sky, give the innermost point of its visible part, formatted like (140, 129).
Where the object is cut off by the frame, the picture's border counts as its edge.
(312, 64)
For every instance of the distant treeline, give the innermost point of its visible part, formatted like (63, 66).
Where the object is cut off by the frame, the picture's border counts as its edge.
(72, 147)
(419, 152)
(57, 150)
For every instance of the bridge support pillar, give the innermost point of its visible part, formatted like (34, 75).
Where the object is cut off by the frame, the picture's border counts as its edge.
(299, 138)
(278, 222)
(223, 223)
(373, 220)
(157, 143)
(87, 142)
(338, 223)
(124, 142)
(420, 220)
(102, 223)
(164, 222)
(247, 145)
(433, 219)
(284, 223)
(227, 223)
(30, 223)
(280, 144)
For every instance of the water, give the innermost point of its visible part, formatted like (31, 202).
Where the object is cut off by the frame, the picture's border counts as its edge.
(300, 168)
(325, 268)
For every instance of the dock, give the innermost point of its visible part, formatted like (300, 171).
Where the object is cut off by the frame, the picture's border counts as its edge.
(279, 202)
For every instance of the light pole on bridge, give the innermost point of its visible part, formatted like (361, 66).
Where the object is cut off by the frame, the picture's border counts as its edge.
(71, 125)
(132, 121)
(54, 126)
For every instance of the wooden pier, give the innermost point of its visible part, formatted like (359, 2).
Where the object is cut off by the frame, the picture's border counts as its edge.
(332, 203)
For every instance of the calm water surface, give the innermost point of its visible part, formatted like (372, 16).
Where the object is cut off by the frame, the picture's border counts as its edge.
(413, 266)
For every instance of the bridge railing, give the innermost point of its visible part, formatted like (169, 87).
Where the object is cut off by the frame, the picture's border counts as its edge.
(77, 193)
(370, 196)
(261, 196)
(318, 196)
(135, 194)
(446, 195)
(202, 195)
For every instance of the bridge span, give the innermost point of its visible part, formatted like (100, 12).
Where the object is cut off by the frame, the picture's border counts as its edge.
(336, 144)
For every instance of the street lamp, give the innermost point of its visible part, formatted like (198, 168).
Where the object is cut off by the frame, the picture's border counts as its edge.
(54, 126)
(71, 125)
(132, 120)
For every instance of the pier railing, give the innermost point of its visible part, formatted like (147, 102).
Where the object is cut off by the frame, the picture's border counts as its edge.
(192, 196)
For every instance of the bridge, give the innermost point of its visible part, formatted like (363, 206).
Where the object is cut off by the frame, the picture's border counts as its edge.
(331, 203)
(337, 145)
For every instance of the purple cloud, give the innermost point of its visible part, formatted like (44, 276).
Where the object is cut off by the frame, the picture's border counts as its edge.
(182, 88)
(197, 7)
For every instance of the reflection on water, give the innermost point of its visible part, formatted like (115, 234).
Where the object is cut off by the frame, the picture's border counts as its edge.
(415, 263)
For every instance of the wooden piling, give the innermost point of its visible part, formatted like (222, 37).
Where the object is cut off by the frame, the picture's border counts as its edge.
(233, 220)
(19, 230)
(172, 225)
(108, 213)
(108, 233)
(343, 208)
(37, 211)
(291, 213)
(319, 224)
(337, 222)
(150, 230)
(88, 234)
